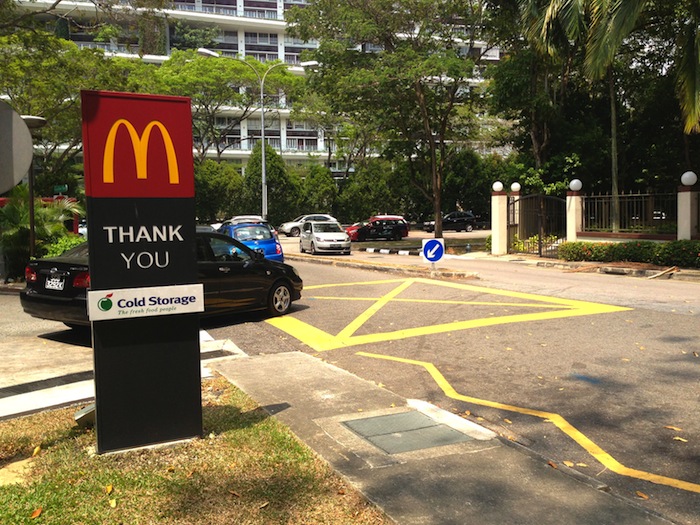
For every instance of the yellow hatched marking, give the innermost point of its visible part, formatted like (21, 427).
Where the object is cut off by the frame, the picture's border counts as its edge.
(367, 314)
(560, 422)
(320, 341)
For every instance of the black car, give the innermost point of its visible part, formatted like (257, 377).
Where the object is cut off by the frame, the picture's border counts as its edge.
(378, 228)
(456, 220)
(235, 278)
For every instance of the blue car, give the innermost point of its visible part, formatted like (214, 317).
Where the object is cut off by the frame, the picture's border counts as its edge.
(258, 237)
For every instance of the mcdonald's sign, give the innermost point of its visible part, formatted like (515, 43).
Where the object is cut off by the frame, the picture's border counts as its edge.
(139, 177)
(137, 145)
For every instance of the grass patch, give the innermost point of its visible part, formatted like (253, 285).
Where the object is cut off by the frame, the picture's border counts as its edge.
(247, 469)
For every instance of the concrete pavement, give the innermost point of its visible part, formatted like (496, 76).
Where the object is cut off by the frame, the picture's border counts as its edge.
(416, 462)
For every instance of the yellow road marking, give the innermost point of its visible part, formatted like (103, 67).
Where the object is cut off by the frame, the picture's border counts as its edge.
(562, 424)
(320, 341)
(367, 314)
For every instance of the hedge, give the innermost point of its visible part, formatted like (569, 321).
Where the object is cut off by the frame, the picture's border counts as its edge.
(685, 254)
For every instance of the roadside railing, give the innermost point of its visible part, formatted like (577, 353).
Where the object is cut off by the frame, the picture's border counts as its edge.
(639, 213)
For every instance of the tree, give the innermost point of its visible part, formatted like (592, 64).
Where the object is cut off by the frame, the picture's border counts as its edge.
(397, 68)
(368, 192)
(319, 190)
(218, 187)
(224, 93)
(283, 186)
(607, 27)
(43, 76)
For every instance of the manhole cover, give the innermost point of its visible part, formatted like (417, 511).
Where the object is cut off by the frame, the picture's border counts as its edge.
(405, 432)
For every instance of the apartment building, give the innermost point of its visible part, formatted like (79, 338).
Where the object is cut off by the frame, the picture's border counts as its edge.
(253, 28)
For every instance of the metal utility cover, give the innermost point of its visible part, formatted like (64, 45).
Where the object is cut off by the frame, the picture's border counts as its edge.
(405, 432)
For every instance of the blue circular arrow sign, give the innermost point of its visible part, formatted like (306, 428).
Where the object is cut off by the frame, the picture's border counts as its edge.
(433, 250)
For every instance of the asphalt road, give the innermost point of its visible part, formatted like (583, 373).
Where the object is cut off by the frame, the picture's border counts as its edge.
(594, 371)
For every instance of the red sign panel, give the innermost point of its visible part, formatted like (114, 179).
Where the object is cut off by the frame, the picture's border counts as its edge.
(137, 145)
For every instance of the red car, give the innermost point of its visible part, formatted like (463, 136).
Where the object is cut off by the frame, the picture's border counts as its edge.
(392, 227)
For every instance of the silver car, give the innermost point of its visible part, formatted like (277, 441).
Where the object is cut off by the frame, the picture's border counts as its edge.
(293, 228)
(323, 237)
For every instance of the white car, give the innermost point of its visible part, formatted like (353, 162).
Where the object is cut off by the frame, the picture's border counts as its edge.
(323, 237)
(293, 228)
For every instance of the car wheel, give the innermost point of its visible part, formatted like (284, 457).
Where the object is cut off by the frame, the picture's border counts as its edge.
(397, 236)
(301, 247)
(294, 232)
(280, 299)
(469, 227)
(313, 248)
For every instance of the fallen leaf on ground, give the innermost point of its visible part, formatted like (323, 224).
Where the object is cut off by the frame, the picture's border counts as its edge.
(678, 438)
(36, 513)
(641, 494)
(37, 449)
(113, 503)
(671, 427)
(508, 421)
(552, 464)
(109, 489)
(569, 463)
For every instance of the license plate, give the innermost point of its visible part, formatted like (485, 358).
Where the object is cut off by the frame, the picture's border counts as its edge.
(54, 283)
(335, 245)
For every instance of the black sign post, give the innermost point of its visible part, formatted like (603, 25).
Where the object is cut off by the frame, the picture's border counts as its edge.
(140, 209)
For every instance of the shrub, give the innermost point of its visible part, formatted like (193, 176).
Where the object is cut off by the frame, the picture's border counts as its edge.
(675, 253)
(62, 244)
(639, 251)
(678, 253)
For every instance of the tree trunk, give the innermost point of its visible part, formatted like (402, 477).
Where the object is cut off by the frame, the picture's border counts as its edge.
(613, 153)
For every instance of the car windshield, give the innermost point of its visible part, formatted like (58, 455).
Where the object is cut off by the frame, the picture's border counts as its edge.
(327, 227)
(254, 232)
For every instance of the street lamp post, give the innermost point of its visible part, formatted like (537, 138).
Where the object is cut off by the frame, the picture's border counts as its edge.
(209, 53)
(33, 123)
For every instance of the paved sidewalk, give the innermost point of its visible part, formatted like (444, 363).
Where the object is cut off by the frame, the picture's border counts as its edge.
(418, 463)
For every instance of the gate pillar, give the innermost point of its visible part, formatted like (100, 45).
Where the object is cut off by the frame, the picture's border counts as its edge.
(688, 212)
(574, 215)
(499, 220)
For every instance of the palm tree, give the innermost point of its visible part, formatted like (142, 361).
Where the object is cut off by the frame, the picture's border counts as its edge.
(604, 26)
(49, 225)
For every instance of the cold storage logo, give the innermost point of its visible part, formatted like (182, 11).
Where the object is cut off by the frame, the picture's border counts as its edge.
(105, 304)
(127, 303)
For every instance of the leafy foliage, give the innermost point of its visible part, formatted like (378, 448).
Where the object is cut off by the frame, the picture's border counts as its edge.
(49, 226)
(218, 189)
(64, 243)
(282, 186)
(674, 253)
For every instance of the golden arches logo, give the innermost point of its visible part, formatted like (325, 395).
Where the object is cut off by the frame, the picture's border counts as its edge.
(140, 145)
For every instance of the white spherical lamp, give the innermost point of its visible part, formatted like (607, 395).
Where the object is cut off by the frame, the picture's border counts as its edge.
(515, 187)
(689, 178)
(497, 186)
(575, 185)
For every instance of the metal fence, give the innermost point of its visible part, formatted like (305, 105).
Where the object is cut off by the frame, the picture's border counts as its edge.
(639, 213)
